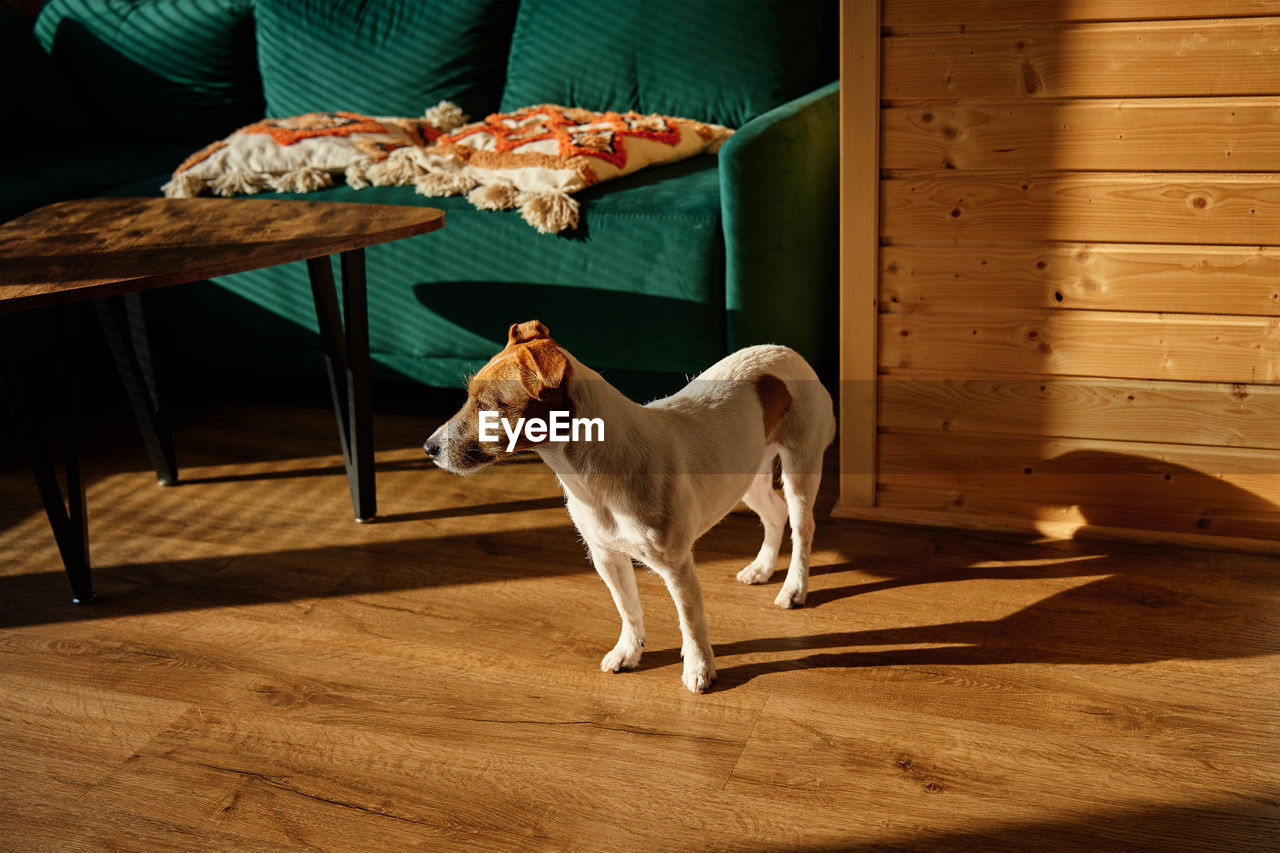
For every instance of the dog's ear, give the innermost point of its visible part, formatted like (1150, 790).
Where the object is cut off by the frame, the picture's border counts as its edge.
(532, 330)
(542, 368)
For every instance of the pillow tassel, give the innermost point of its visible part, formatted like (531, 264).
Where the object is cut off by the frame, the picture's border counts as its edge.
(303, 180)
(549, 212)
(357, 177)
(400, 168)
(445, 116)
(184, 185)
(241, 183)
(444, 183)
(496, 196)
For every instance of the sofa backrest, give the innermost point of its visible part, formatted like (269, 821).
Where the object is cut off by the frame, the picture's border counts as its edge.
(180, 70)
(194, 70)
(385, 57)
(724, 61)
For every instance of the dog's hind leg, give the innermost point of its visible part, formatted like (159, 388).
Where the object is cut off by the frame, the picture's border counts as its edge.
(773, 515)
(615, 569)
(801, 475)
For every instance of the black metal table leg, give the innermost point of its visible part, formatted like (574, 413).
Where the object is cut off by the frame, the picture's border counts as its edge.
(68, 520)
(125, 331)
(346, 353)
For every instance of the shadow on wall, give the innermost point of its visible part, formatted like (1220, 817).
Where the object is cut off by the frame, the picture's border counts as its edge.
(1192, 500)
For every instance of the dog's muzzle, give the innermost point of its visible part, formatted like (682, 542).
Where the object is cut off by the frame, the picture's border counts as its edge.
(432, 445)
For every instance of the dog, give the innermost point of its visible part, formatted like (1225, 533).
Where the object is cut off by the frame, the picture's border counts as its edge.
(664, 474)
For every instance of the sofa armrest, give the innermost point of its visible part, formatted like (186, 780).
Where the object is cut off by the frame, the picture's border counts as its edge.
(779, 199)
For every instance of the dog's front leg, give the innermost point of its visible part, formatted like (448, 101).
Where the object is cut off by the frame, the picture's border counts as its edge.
(615, 568)
(699, 661)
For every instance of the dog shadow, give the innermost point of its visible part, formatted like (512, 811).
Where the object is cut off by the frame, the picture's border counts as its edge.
(1140, 607)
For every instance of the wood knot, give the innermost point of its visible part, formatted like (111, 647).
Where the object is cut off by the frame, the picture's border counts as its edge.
(1240, 391)
(1199, 202)
(1030, 79)
(955, 212)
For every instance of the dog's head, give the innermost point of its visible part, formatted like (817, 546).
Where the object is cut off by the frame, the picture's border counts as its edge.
(525, 380)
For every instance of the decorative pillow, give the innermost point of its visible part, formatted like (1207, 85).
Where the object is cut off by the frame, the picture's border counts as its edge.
(303, 153)
(535, 157)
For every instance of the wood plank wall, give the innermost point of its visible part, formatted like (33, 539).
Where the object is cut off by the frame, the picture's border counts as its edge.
(1079, 267)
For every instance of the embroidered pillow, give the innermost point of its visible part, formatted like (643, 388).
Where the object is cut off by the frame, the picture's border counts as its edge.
(535, 157)
(303, 153)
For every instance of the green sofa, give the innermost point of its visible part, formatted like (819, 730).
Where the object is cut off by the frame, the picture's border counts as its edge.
(670, 268)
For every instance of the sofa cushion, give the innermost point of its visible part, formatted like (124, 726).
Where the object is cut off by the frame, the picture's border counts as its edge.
(382, 57)
(721, 61)
(191, 62)
(639, 285)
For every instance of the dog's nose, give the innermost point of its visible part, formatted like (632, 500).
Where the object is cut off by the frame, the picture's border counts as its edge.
(432, 447)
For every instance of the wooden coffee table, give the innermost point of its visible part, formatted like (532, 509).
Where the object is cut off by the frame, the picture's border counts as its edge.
(76, 251)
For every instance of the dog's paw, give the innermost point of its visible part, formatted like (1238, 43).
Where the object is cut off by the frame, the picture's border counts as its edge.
(755, 573)
(790, 596)
(699, 672)
(623, 658)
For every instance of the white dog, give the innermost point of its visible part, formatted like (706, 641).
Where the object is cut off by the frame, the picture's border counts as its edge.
(664, 473)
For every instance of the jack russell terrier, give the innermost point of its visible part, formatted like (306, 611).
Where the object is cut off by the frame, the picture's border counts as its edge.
(664, 473)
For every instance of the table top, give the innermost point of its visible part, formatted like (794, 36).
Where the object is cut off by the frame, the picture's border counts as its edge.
(91, 248)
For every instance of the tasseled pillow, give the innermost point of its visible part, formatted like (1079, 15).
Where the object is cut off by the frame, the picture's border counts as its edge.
(534, 158)
(304, 153)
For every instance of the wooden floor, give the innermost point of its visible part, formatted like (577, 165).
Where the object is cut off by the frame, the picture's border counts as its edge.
(262, 673)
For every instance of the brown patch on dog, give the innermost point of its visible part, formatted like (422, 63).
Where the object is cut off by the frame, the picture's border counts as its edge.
(775, 399)
(527, 331)
(531, 360)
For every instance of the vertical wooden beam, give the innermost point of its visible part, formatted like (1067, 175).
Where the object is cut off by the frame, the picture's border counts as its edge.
(859, 248)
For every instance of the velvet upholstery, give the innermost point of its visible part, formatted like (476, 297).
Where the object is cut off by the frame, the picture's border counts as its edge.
(171, 70)
(722, 61)
(382, 57)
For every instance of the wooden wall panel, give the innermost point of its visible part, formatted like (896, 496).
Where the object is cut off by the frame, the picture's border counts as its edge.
(1110, 60)
(859, 242)
(1140, 410)
(1178, 134)
(918, 13)
(1080, 268)
(1114, 277)
(1185, 347)
(1087, 207)
(1086, 472)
